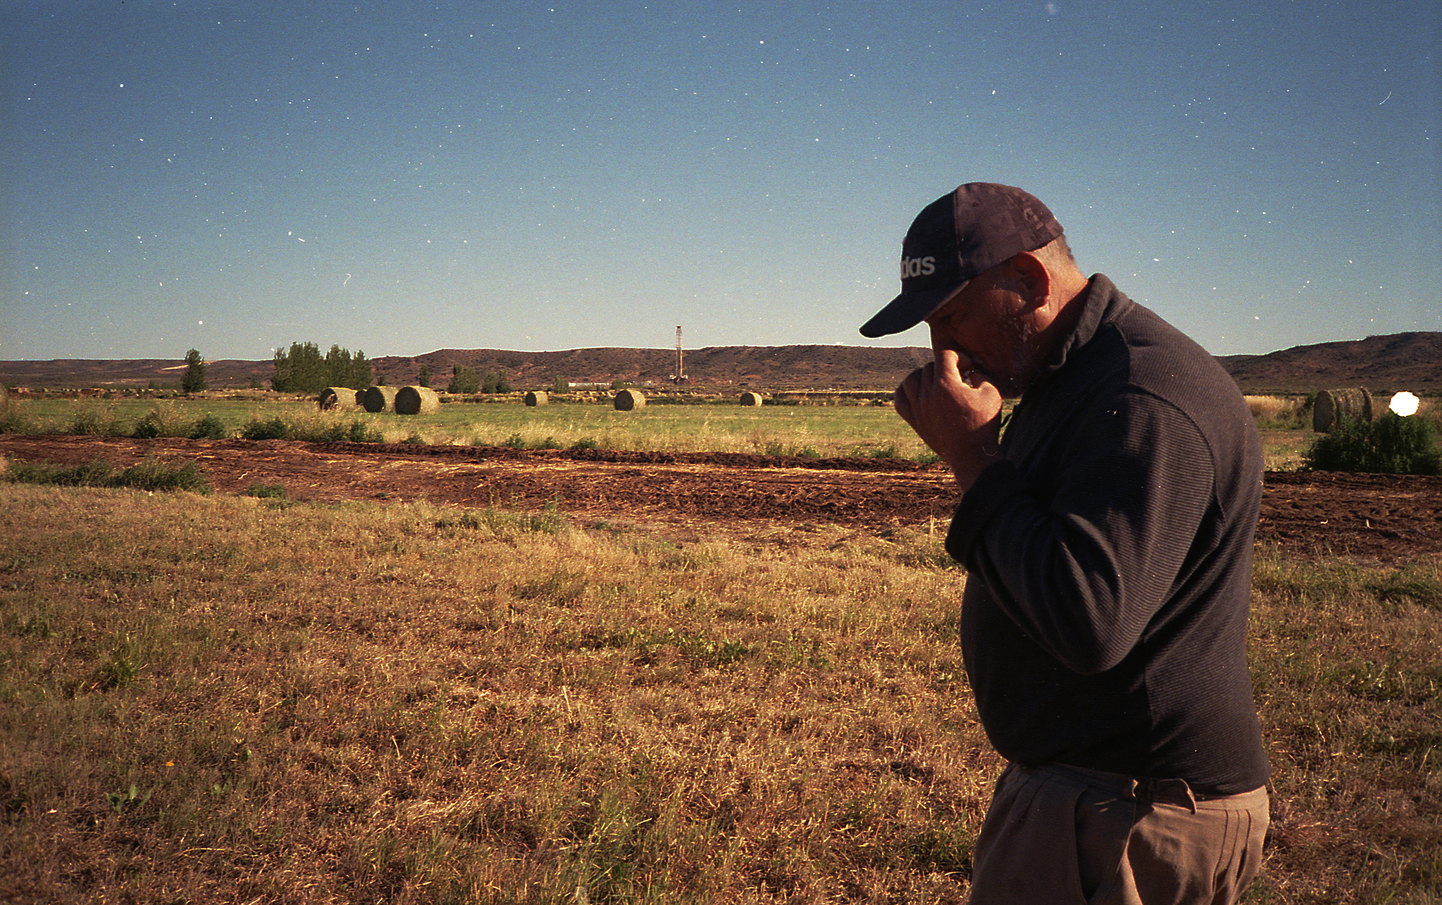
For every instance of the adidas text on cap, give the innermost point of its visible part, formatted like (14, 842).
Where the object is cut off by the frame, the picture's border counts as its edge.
(954, 238)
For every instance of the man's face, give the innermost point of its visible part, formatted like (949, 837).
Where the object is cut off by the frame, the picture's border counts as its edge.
(988, 322)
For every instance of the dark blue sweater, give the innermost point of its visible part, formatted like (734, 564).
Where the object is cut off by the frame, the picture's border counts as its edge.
(1109, 557)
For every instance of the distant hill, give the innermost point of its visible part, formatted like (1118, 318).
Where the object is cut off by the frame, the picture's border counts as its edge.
(1411, 361)
(1401, 361)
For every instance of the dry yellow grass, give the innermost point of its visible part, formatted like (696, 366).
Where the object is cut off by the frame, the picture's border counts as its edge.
(230, 699)
(1269, 407)
(490, 707)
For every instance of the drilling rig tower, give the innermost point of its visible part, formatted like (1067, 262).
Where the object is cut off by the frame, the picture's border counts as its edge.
(680, 375)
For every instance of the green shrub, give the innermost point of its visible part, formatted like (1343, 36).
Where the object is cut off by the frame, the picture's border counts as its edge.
(209, 428)
(165, 422)
(272, 429)
(1390, 445)
(360, 432)
(148, 428)
(12, 421)
(357, 431)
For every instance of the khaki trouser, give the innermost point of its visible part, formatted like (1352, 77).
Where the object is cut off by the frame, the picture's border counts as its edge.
(1056, 835)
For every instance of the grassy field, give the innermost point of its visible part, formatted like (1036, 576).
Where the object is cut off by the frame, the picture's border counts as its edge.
(806, 430)
(207, 698)
(210, 698)
(811, 430)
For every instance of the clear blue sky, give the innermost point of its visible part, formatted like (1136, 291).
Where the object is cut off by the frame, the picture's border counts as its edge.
(398, 177)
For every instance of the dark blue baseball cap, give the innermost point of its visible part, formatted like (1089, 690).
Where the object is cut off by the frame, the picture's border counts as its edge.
(956, 237)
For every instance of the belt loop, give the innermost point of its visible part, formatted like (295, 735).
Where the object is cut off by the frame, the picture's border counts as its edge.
(1170, 791)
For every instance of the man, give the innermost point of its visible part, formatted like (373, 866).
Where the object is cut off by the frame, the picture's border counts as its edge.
(1107, 535)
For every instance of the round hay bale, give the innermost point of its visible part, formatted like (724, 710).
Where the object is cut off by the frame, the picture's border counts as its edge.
(417, 401)
(339, 399)
(537, 397)
(380, 399)
(629, 400)
(751, 399)
(1335, 406)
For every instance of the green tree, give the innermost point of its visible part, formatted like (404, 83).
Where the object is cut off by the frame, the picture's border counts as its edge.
(463, 380)
(424, 378)
(302, 369)
(360, 368)
(194, 379)
(342, 369)
(490, 383)
(560, 385)
(337, 366)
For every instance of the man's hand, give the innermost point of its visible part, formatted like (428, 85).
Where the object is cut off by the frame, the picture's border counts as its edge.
(955, 410)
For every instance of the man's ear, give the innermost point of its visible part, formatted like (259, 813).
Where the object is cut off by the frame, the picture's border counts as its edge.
(1034, 277)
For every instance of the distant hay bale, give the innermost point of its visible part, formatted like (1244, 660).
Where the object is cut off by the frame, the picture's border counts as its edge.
(333, 399)
(537, 397)
(417, 401)
(629, 400)
(380, 399)
(1335, 406)
(751, 399)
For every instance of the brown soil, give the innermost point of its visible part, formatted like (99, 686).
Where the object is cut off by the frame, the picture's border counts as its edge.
(1387, 518)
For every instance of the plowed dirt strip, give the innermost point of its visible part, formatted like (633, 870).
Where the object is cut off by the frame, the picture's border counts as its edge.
(1389, 518)
(688, 489)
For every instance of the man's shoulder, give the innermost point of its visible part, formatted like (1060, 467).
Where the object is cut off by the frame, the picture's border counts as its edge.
(1164, 364)
(1158, 355)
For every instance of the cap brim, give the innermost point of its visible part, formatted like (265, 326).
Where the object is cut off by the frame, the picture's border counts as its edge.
(907, 310)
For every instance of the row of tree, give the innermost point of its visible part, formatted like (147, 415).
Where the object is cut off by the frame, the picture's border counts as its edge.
(464, 380)
(302, 369)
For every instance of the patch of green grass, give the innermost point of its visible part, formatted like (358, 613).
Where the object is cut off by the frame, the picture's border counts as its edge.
(263, 491)
(1410, 585)
(149, 474)
(702, 425)
(92, 474)
(121, 665)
